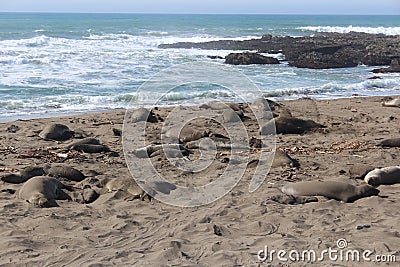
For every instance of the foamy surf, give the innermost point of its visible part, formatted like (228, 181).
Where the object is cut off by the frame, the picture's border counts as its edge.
(350, 28)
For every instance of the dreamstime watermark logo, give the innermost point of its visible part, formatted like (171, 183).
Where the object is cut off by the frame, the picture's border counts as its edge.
(341, 253)
(137, 145)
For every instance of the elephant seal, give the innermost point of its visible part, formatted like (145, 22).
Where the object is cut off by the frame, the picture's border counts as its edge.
(126, 184)
(331, 189)
(391, 142)
(265, 104)
(290, 125)
(142, 114)
(41, 191)
(392, 103)
(217, 105)
(57, 170)
(85, 141)
(23, 175)
(386, 176)
(186, 134)
(281, 159)
(90, 148)
(358, 171)
(171, 152)
(56, 132)
(230, 115)
(12, 178)
(148, 151)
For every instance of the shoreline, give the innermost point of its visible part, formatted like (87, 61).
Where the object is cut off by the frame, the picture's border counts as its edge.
(50, 115)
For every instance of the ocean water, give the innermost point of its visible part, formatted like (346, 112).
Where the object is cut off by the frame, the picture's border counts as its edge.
(55, 64)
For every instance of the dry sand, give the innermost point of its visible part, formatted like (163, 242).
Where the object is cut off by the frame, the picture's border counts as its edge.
(116, 230)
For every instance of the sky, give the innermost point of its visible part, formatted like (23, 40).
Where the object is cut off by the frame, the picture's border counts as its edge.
(206, 6)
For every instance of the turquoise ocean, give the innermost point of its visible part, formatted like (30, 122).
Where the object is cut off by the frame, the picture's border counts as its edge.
(59, 64)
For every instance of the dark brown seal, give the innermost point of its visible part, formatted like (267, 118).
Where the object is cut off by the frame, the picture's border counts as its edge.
(58, 170)
(391, 142)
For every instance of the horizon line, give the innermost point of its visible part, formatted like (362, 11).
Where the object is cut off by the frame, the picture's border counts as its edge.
(183, 13)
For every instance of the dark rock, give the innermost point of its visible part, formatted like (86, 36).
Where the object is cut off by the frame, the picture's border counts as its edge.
(255, 142)
(374, 78)
(327, 57)
(117, 132)
(321, 50)
(249, 58)
(217, 230)
(215, 57)
(266, 37)
(293, 200)
(12, 128)
(394, 67)
(8, 191)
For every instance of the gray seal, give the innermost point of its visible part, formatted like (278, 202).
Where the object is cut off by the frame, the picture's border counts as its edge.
(331, 189)
(41, 191)
(383, 176)
(56, 132)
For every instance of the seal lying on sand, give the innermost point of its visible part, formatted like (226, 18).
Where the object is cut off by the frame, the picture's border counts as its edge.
(392, 103)
(391, 142)
(386, 176)
(290, 125)
(331, 189)
(88, 145)
(88, 148)
(41, 191)
(358, 171)
(24, 175)
(58, 170)
(87, 141)
(153, 150)
(142, 114)
(217, 105)
(56, 132)
(230, 115)
(126, 184)
(186, 134)
(281, 159)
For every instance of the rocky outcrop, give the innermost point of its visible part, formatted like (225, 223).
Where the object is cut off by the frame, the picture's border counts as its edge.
(322, 50)
(394, 67)
(327, 57)
(249, 58)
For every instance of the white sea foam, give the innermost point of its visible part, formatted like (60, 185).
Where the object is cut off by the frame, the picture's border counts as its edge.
(52, 75)
(350, 28)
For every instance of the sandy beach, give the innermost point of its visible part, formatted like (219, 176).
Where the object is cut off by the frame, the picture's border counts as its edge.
(117, 229)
